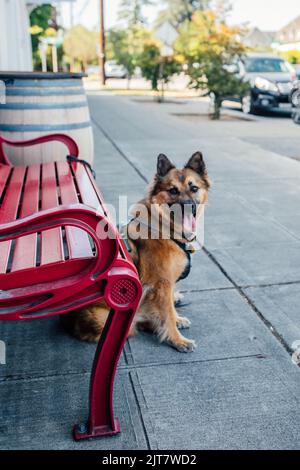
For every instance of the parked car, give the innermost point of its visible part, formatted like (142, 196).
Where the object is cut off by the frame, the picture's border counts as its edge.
(93, 70)
(114, 70)
(295, 102)
(271, 79)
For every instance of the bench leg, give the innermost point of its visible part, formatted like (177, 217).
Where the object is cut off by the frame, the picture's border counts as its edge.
(101, 420)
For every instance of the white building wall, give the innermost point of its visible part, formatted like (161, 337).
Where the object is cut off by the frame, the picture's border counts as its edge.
(15, 43)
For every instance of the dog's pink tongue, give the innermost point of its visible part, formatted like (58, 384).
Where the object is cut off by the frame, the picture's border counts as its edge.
(189, 223)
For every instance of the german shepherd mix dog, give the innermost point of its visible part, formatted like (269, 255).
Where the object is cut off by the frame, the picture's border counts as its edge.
(161, 261)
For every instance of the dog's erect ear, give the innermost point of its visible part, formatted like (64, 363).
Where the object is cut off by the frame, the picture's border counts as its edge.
(163, 165)
(196, 163)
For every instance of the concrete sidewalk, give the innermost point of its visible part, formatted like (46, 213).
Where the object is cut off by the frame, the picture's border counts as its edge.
(239, 389)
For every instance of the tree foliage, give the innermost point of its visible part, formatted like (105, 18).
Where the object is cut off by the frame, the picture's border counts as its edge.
(131, 11)
(209, 47)
(126, 46)
(292, 56)
(39, 23)
(80, 45)
(155, 68)
(178, 11)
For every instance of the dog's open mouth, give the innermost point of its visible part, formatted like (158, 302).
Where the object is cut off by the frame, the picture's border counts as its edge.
(189, 223)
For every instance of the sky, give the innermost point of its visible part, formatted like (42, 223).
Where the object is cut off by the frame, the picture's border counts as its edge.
(266, 14)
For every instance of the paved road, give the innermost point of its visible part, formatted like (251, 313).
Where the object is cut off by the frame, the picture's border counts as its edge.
(240, 388)
(274, 132)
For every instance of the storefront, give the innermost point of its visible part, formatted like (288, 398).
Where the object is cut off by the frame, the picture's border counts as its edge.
(15, 44)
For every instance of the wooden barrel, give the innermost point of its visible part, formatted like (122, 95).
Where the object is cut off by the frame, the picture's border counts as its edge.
(45, 103)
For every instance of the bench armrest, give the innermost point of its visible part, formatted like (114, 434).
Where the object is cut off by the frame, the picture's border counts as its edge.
(65, 139)
(104, 235)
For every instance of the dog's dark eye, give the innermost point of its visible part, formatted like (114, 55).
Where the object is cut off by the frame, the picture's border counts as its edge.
(174, 190)
(194, 189)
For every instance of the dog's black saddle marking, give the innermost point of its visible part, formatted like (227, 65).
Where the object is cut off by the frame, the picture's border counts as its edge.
(188, 267)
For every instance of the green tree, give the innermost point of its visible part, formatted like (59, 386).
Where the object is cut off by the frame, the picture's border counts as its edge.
(222, 8)
(39, 23)
(210, 47)
(125, 46)
(177, 11)
(132, 11)
(80, 45)
(292, 56)
(157, 69)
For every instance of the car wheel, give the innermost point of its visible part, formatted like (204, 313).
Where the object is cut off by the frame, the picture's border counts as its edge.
(247, 104)
(295, 98)
(296, 116)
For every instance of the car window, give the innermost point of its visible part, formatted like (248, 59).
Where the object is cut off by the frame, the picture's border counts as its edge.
(265, 65)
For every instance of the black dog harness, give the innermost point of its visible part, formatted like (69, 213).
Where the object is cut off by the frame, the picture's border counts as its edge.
(187, 252)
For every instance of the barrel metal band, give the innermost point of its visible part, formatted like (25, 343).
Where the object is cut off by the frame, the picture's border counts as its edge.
(43, 127)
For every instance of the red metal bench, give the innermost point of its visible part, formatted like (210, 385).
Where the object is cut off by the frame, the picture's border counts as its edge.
(53, 260)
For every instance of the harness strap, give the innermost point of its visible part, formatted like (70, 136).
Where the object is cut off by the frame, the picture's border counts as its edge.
(71, 158)
(187, 269)
(185, 247)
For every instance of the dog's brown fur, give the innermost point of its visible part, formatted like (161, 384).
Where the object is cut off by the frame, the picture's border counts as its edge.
(159, 262)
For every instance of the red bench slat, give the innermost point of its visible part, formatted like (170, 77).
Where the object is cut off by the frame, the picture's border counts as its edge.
(78, 241)
(25, 248)
(22, 199)
(88, 195)
(51, 240)
(4, 174)
(9, 209)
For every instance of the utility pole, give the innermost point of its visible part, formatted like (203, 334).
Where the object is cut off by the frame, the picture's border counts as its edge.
(102, 45)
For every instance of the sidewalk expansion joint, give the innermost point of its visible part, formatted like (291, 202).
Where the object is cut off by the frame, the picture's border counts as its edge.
(124, 368)
(247, 286)
(24, 377)
(139, 411)
(120, 151)
(271, 284)
(195, 361)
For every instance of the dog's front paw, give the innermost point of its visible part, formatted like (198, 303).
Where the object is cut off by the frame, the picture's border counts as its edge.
(184, 345)
(182, 323)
